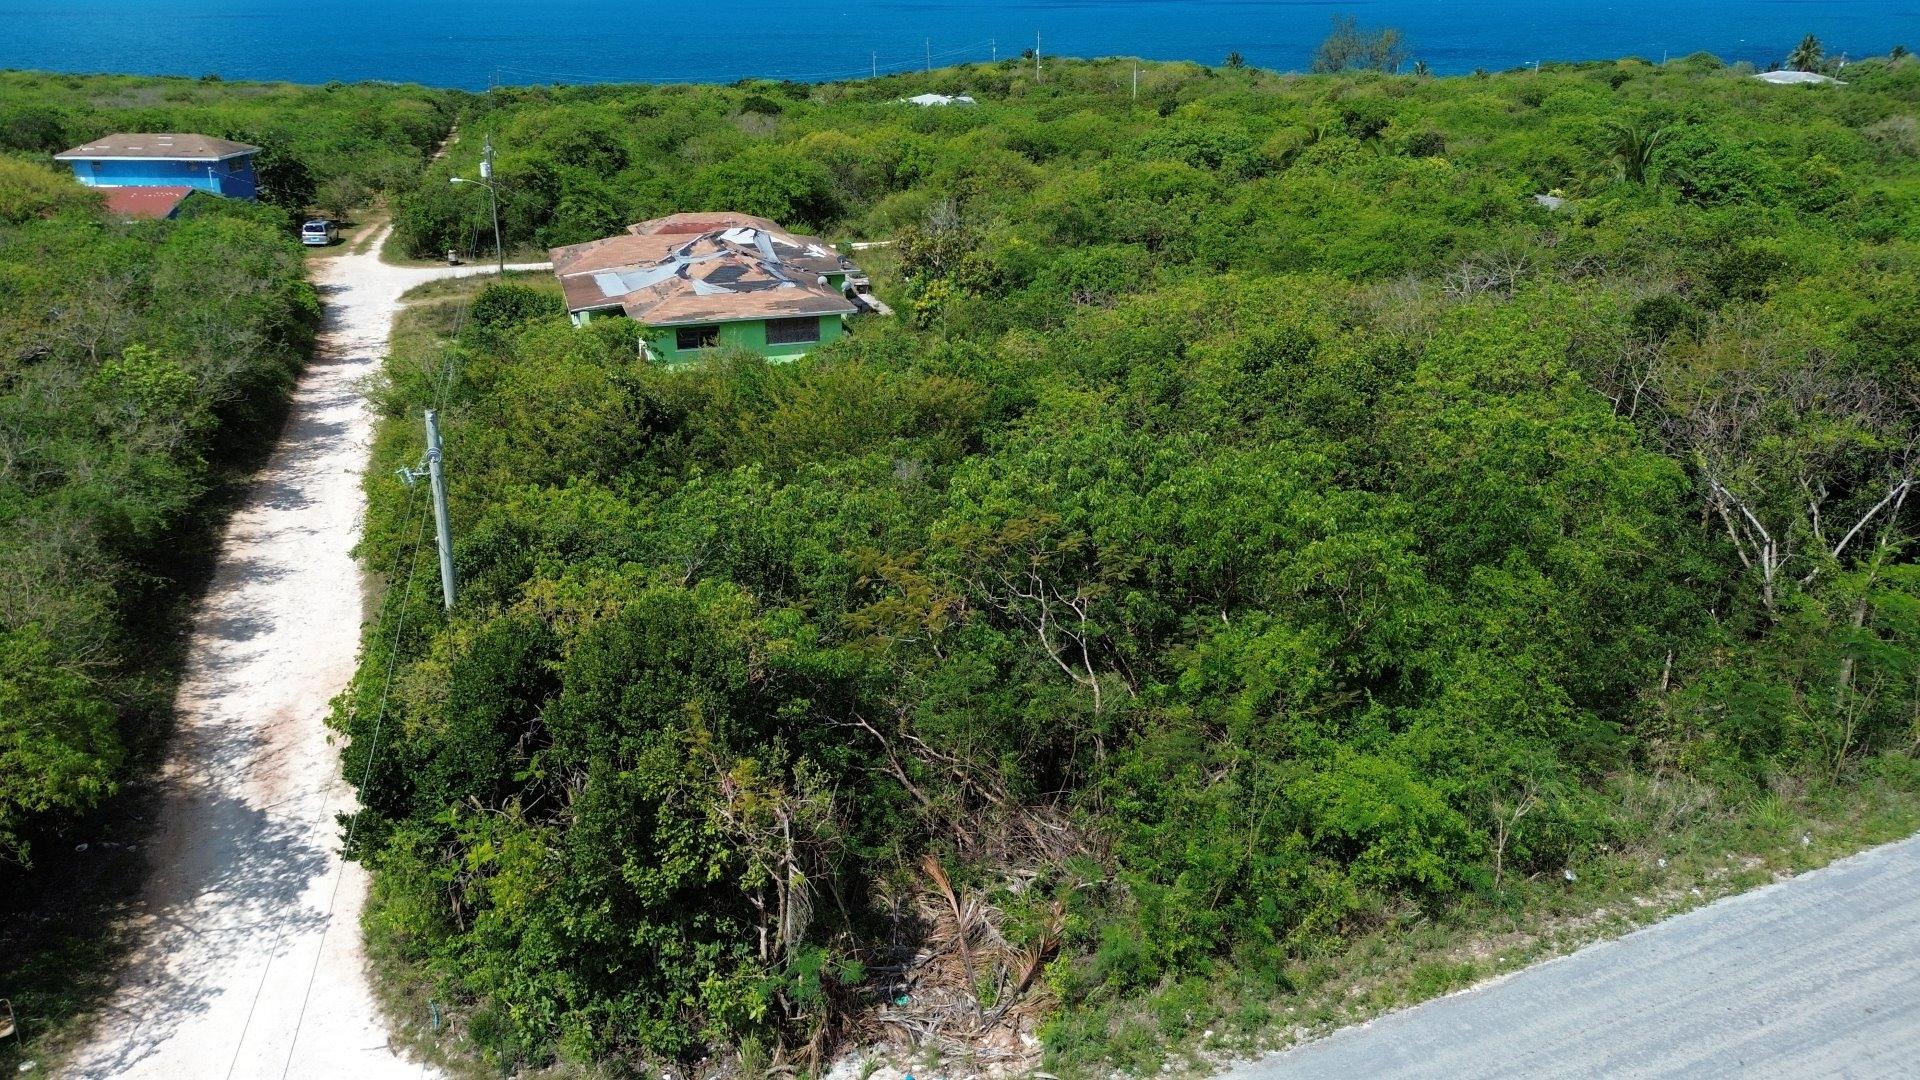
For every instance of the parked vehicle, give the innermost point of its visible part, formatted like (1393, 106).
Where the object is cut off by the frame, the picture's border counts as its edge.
(319, 232)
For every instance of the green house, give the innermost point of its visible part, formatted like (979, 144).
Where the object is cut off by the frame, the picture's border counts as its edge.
(704, 281)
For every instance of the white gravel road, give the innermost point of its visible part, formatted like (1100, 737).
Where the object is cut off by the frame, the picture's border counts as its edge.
(249, 912)
(1814, 977)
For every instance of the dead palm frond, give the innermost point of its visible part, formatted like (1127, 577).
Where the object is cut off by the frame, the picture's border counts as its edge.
(964, 912)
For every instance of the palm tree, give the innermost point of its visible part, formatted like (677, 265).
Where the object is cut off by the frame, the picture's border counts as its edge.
(1632, 148)
(1421, 70)
(1806, 56)
(1235, 60)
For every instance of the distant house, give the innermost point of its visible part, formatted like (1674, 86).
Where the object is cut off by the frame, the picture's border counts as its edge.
(700, 281)
(197, 162)
(940, 99)
(1798, 78)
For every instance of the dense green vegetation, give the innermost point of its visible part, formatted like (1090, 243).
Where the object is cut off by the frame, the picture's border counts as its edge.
(1264, 518)
(135, 360)
(335, 147)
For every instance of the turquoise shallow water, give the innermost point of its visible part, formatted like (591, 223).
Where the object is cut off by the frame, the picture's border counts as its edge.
(468, 44)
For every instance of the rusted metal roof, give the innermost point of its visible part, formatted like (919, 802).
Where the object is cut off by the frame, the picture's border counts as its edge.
(159, 201)
(699, 268)
(173, 146)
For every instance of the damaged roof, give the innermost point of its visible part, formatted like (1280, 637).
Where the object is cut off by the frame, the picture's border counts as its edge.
(170, 145)
(703, 268)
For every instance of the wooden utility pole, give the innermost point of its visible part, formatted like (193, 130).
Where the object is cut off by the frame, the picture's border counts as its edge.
(929, 55)
(1036, 56)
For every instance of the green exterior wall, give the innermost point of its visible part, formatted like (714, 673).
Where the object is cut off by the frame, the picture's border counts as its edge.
(750, 335)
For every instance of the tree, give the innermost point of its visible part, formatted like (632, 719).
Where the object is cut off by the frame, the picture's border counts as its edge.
(29, 191)
(34, 129)
(1350, 48)
(1806, 465)
(1806, 56)
(781, 184)
(1236, 61)
(1632, 148)
(59, 750)
(284, 177)
(339, 196)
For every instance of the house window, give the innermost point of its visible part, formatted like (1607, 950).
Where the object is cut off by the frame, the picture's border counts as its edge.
(696, 337)
(93, 167)
(237, 165)
(793, 331)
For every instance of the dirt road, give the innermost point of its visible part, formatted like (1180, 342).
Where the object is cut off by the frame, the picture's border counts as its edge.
(235, 931)
(1818, 976)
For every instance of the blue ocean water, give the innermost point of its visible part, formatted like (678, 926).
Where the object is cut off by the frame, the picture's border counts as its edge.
(471, 43)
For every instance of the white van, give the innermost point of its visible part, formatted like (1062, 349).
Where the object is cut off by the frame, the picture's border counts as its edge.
(319, 232)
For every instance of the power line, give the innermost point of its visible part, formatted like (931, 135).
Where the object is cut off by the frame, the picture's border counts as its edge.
(281, 929)
(380, 716)
(440, 392)
(366, 774)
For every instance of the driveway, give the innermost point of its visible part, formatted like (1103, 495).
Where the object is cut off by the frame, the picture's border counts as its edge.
(249, 961)
(1814, 977)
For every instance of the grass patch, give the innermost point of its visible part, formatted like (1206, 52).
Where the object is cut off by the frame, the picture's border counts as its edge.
(394, 254)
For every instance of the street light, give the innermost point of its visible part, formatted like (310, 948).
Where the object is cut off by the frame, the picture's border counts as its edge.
(493, 197)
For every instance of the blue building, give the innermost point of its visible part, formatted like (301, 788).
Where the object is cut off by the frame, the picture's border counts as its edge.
(201, 162)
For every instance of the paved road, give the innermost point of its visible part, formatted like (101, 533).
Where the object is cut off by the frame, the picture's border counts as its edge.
(249, 962)
(1814, 977)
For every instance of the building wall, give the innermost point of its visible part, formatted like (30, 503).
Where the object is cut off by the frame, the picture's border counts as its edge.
(217, 177)
(750, 335)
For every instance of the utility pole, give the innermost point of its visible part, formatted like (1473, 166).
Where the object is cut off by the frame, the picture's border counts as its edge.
(876, 65)
(1036, 56)
(994, 44)
(1136, 84)
(493, 199)
(436, 477)
(443, 533)
(929, 56)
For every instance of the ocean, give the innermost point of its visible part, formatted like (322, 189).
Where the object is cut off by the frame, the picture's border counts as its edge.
(475, 43)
